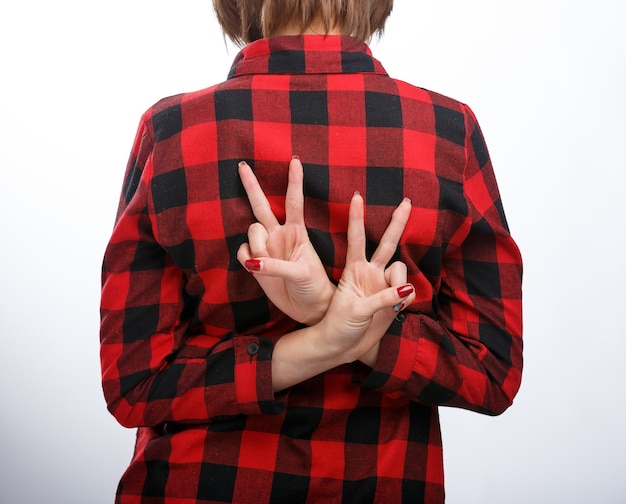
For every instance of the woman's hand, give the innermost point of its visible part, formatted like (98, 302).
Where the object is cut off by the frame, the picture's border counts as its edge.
(363, 306)
(369, 294)
(281, 256)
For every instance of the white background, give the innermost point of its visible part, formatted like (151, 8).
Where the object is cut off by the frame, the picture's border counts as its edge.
(547, 81)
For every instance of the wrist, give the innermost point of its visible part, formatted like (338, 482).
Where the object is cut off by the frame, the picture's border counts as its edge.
(328, 339)
(300, 355)
(370, 357)
(318, 311)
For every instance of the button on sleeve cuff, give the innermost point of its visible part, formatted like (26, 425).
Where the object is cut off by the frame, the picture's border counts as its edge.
(253, 376)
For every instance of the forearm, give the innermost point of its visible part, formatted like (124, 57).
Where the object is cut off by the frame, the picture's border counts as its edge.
(156, 368)
(369, 358)
(192, 383)
(301, 355)
(431, 364)
(465, 349)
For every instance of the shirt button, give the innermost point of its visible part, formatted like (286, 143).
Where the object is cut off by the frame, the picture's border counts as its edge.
(401, 317)
(253, 348)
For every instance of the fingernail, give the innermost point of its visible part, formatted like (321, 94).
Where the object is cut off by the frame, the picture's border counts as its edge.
(295, 156)
(398, 307)
(357, 193)
(405, 290)
(253, 265)
(242, 163)
(407, 200)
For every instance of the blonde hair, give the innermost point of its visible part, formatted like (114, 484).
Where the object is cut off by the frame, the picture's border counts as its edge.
(245, 21)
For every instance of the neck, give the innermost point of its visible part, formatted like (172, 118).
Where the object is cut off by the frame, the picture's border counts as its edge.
(315, 28)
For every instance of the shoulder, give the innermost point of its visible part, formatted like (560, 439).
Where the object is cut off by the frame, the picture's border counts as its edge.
(170, 115)
(433, 98)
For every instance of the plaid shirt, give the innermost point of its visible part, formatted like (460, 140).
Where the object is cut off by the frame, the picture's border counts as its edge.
(187, 334)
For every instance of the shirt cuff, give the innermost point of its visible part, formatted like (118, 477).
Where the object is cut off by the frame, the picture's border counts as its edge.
(396, 357)
(254, 392)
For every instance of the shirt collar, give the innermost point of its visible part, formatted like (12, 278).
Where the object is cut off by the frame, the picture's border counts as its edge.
(306, 54)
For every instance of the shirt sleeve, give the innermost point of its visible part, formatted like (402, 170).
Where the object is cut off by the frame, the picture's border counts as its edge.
(153, 371)
(468, 353)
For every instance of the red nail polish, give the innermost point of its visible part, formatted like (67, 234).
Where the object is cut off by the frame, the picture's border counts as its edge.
(253, 265)
(405, 290)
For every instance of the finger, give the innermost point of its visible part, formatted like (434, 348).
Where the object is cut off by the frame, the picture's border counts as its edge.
(257, 239)
(294, 200)
(260, 206)
(356, 230)
(287, 270)
(243, 253)
(391, 237)
(396, 274)
(388, 298)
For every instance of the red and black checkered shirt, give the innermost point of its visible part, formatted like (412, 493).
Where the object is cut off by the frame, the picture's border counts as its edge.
(187, 334)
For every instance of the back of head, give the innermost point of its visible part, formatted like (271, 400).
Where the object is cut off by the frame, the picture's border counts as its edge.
(245, 21)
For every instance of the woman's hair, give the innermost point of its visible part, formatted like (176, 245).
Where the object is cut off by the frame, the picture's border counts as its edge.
(244, 21)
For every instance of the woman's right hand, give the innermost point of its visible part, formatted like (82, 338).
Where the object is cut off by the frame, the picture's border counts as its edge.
(366, 301)
(369, 294)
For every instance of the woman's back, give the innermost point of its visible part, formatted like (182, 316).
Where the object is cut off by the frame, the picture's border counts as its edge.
(202, 385)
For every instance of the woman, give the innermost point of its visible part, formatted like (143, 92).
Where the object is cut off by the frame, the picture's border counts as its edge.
(334, 398)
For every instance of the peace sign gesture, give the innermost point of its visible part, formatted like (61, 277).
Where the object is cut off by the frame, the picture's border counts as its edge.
(345, 323)
(282, 257)
(369, 294)
(287, 266)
